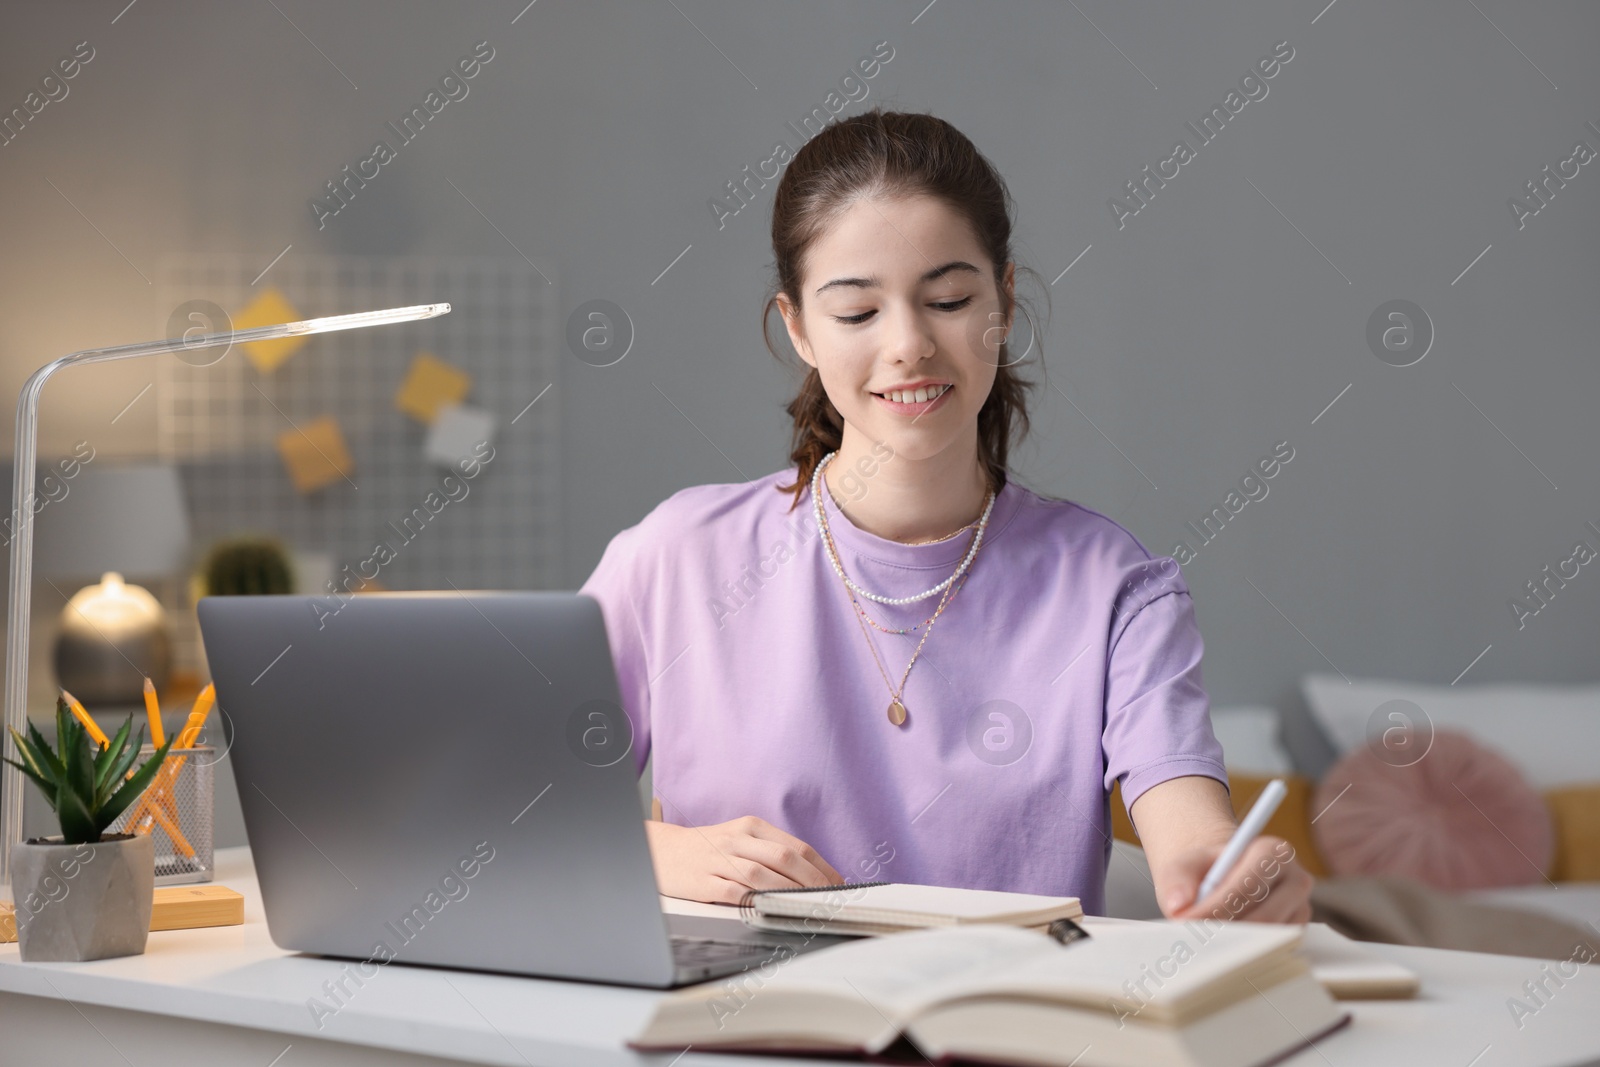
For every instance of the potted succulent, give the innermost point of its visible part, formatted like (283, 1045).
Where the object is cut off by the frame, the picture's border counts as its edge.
(85, 895)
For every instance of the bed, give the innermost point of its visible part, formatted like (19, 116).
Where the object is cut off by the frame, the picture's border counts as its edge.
(1501, 796)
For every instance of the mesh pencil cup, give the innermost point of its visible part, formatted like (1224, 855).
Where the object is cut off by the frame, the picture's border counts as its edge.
(177, 812)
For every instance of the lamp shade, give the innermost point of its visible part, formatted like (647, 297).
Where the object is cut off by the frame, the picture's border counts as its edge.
(130, 519)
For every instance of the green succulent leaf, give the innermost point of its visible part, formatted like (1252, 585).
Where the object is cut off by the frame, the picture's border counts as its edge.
(47, 787)
(108, 756)
(63, 717)
(79, 757)
(42, 750)
(118, 768)
(69, 731)
(38, 765)
(133, 788)
(77, 822)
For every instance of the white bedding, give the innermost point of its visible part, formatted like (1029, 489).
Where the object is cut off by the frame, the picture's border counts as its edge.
(1576, 902)
(1129, 894)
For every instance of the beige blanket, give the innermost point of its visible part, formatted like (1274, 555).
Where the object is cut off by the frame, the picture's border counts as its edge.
(1402, 912)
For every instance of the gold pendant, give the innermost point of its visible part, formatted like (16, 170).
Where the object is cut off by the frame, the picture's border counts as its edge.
(897, 713)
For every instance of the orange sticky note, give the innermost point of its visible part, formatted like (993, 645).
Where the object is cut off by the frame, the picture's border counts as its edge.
(431, 384)
(315, 454)
(269, 309)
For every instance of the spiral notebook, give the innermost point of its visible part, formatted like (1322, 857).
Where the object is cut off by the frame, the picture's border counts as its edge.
(891, 907)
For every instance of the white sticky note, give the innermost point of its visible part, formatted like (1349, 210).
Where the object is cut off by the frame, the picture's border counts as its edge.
(457, 432)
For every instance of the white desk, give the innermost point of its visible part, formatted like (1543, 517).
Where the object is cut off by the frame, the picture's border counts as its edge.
(229, 995)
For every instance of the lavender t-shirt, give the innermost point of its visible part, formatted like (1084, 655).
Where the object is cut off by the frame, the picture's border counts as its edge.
(1067, 661)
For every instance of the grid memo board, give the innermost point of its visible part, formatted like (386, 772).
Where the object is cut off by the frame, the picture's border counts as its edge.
(219, 423)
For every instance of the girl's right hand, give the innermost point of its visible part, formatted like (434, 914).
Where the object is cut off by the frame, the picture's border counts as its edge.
(718, 863)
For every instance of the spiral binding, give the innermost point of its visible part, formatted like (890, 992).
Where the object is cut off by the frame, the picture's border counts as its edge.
(747, 909)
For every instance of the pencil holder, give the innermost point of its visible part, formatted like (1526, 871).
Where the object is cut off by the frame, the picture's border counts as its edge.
(176, 811)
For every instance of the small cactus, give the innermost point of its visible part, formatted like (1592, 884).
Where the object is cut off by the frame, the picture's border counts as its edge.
(248, 566)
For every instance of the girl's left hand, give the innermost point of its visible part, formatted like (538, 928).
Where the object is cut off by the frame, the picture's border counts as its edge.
(1265, 885)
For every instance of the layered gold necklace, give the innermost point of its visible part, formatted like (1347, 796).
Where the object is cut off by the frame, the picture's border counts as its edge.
(897, 712)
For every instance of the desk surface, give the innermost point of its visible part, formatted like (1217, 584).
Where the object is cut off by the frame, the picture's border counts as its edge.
(237, 976)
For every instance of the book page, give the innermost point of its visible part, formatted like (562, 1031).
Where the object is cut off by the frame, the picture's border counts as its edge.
(901, 974)
(1148, 965)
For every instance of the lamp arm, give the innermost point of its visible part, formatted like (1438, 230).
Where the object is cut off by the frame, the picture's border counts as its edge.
(22, 485)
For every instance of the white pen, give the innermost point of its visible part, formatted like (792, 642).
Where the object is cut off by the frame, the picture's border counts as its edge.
(1254, 822)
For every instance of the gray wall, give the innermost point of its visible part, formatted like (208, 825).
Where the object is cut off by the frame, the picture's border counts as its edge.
(1220, 320)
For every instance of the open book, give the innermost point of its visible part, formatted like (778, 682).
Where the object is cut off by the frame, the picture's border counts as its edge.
(1141, 996)
(890, 907)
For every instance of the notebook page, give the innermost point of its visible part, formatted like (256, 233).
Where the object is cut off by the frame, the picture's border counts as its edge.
(936, 902)
(1352, 972)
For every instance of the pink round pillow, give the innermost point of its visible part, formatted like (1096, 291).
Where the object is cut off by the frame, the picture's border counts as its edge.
(1461, 817)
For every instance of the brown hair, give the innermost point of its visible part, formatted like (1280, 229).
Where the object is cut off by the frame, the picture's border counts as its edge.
(891, 154)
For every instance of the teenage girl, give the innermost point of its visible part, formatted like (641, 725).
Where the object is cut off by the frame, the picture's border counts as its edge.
(891, 661)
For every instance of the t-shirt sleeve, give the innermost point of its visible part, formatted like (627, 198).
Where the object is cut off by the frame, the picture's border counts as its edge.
(618, 583)
(1158, 720)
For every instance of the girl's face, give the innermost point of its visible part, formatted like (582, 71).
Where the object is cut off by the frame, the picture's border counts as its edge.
(900, 314)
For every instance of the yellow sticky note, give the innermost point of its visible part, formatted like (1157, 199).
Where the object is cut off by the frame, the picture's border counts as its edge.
(269, 309)
(315, 454)
(431, 384)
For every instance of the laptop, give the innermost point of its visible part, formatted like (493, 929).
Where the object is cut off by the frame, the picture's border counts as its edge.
(447, 778)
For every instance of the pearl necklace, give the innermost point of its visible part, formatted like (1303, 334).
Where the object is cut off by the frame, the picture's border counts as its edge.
(833, 557)
(897, 709)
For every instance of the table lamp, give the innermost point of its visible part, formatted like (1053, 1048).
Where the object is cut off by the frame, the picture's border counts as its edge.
(22, 503)
(116, 523)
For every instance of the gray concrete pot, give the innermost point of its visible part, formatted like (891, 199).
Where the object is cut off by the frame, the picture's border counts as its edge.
(83, 902)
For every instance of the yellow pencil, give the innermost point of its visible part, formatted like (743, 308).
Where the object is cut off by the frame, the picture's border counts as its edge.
(81, 713)
(197, 716)
(152, 711)
(151, 796)
(170, 825)
(159, 792)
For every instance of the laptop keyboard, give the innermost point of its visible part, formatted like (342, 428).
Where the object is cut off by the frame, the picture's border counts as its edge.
(700, 951)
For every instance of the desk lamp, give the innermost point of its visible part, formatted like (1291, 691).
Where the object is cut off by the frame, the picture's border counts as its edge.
(16, 682)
